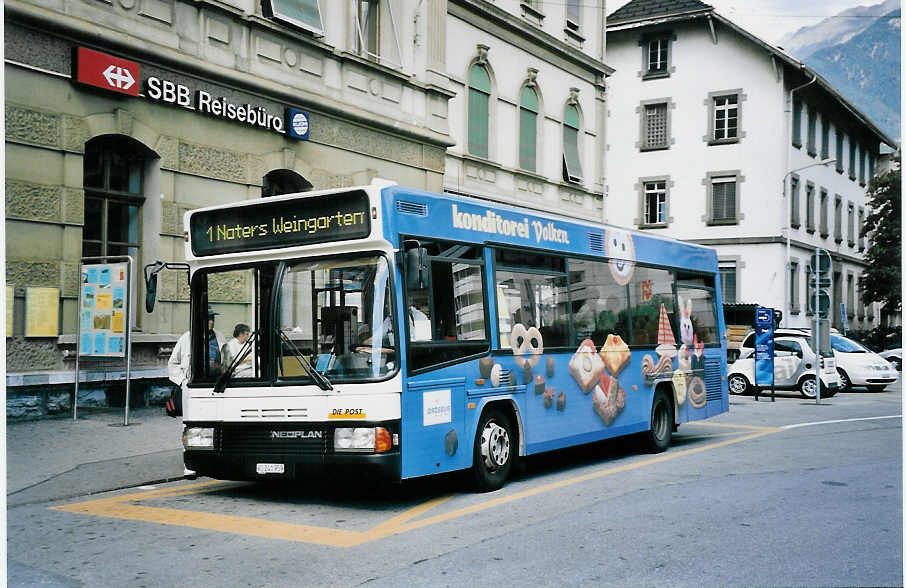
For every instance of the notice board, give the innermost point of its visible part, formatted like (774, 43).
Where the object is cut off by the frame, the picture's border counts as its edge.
(104, 309)
(42, 312)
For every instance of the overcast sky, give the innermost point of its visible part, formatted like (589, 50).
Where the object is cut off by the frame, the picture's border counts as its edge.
(772, 19)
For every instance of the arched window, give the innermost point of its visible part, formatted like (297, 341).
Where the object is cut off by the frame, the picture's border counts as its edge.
(283, 181)
(113, 179)
(528, 128)
(572, 167)
(479, 100)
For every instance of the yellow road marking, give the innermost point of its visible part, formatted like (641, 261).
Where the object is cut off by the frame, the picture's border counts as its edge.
(122, 507)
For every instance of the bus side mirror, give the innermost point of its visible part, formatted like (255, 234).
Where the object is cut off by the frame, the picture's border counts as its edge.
(417, 268)
(151, 293)
(151, 271)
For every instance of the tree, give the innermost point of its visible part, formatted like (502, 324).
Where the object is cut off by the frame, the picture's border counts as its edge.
(881, 280)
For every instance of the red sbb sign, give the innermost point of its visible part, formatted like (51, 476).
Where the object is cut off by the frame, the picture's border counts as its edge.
(106, 71)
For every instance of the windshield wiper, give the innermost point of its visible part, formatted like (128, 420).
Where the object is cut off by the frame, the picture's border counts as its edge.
(319, 378)
(224, 378)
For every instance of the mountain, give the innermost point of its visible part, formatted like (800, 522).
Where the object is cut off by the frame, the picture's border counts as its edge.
(866, 70)
(834, 30)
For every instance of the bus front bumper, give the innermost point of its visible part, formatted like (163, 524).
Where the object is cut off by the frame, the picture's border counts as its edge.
(260, 451)
(293, 467)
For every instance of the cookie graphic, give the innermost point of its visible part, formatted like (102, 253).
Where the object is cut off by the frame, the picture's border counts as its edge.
(527, 345)
(621, 251)
(496, 372)
(608, 405)
(548, 397)
(451, 442)
(539, 384)
(527, 374)
(615, 354)
(586, 366)
(652, 369)
(697, 394)
(484, 367)
(679, 387)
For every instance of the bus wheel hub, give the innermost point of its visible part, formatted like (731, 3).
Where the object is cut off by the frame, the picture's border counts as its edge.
(495, 446)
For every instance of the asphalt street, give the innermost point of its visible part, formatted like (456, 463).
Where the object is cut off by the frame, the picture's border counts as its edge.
(770, 494)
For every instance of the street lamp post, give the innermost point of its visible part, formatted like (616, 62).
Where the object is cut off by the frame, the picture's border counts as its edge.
(787, 302)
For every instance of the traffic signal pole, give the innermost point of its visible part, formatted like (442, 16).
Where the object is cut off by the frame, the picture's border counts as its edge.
(820, 279)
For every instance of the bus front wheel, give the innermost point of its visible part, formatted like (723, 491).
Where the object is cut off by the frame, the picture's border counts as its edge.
(495, 447)
(657, 439)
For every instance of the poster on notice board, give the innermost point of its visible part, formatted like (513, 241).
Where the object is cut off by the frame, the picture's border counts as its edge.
(103, 309)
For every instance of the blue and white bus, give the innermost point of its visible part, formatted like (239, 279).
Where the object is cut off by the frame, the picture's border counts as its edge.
(415, 333)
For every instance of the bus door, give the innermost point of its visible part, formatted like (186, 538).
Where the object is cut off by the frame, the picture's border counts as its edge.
(446, 332)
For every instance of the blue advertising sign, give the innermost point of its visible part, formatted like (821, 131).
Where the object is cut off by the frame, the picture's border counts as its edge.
(764, 347)
(298, 123)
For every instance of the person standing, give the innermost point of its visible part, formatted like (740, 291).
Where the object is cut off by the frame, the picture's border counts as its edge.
(179, 371)
(215, 341)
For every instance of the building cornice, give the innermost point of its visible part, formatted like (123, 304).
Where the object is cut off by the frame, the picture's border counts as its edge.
(773, 240)
(500, 23)
(96, 36)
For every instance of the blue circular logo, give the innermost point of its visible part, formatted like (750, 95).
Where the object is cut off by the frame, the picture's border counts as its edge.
(300, 123)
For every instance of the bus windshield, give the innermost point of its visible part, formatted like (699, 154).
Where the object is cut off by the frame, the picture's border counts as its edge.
(337, 314)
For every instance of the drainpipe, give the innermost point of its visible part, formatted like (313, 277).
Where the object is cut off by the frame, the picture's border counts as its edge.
(787, 303)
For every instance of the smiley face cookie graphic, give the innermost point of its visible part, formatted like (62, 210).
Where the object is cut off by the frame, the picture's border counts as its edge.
(621, 251)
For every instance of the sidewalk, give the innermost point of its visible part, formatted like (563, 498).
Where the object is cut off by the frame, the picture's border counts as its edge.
(54, 459)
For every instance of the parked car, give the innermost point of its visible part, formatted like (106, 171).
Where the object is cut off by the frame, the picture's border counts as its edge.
(858, 366)
(894, 356)
(794, 366)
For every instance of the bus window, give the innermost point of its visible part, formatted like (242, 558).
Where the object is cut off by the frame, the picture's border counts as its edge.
(698, 320)
(599, 304)
(533, 298)
(229, 297)
(447, 317)
(649, 290)
(335, 316)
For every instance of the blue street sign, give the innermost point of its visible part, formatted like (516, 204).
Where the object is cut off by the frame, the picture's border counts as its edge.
(764, 347)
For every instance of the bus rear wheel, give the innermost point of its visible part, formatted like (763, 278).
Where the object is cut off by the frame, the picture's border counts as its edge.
(494, 453)
(658, 437)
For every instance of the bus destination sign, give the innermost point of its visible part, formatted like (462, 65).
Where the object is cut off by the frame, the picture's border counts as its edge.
(280, 223)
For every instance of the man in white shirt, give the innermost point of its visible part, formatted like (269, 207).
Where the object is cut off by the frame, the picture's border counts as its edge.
(179, 370)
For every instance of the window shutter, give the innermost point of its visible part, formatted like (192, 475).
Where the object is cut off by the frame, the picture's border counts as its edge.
(528, 129)
(656, 125)
(479, 97)
(572, 164)
(305, 13)
(723, 200)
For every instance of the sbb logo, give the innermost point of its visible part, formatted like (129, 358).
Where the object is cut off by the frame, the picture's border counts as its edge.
(169, 92)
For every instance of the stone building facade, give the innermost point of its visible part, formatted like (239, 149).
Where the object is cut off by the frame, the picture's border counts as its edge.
(92, 169)
(121, 115)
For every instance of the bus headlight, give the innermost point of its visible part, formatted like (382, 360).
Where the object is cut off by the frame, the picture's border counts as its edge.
(361, 439)
(198, 438)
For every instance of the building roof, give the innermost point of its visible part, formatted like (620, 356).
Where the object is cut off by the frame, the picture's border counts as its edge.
(643, 13)
(645, 9)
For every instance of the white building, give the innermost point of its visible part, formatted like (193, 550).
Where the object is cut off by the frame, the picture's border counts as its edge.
(528, 113)
(709, 124)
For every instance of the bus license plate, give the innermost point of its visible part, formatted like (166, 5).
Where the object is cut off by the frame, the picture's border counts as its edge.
(269, 468)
